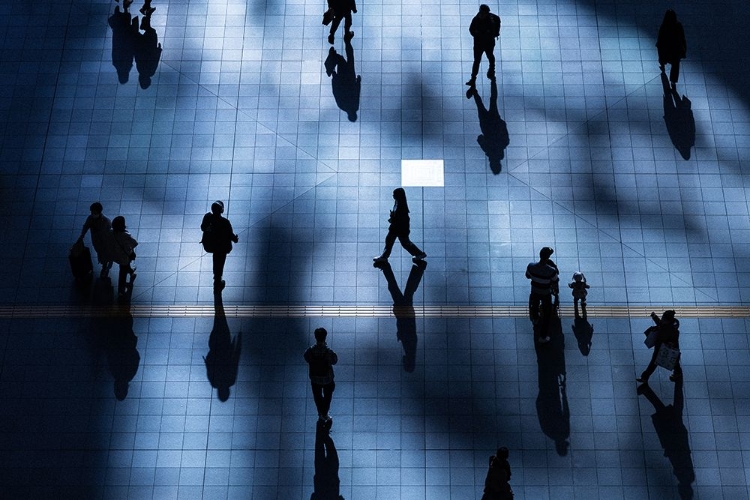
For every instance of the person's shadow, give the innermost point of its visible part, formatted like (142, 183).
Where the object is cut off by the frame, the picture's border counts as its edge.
(403, 309)
(345, 81)
(223, 358)
(678, 116)
(494, 138)
(119, 341)
(584, 332)
(326, 480)
(147, 52)
(673, 436)
(124, 39)
(552, 401)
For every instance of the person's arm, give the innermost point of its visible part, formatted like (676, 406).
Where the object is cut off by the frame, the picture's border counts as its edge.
(234, 237)
(86, 226)
(332, 356)
(204, 222)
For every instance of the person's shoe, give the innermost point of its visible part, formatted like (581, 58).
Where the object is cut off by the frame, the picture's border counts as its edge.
(674, 378)
(642, 379)
(380, 259)
(420, 256)
(472, 81)
(330, 38)
(348, 36)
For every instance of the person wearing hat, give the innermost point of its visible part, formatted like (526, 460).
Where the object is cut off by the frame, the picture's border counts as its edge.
(544, 282)
(218, 236)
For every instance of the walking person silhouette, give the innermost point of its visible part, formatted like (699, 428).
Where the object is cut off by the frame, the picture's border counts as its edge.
(399, 228)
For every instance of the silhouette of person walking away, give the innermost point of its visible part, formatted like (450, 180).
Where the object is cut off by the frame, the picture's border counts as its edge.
(321, 359)
(345, 82)
(673, 436)
(485, 27)
(122, 248)
(399, 228)
(552, 400)
(122, 354)
(494, 138)
(342, 10)
(218, 236)
(671, 45)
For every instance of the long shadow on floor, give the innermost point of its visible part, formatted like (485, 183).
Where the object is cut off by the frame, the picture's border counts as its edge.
(552, 400)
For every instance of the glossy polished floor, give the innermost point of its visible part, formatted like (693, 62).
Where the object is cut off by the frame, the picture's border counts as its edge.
(578, 146)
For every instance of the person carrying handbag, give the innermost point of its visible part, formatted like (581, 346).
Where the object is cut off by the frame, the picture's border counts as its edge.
(122, 248)
(667, 333)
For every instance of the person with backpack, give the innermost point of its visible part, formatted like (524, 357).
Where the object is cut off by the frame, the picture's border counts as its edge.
(321, 359)
(485, 28)
(218, 236)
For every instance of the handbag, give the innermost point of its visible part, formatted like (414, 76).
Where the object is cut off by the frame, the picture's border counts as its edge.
(668, 356)
(328, 16)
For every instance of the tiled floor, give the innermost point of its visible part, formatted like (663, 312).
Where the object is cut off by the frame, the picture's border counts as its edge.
(248, 105)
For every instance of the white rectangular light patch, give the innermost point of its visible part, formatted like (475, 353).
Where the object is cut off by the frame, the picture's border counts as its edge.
(427, 173)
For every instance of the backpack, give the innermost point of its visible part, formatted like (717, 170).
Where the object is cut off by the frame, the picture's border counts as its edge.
(319, 366)
(209, 237)
(495, 20)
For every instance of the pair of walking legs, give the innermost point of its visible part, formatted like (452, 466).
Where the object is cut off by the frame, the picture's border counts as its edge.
(676, 374)
(322, 395)
(348, 33)
(478, 51)
(123, 286)
(403, 238)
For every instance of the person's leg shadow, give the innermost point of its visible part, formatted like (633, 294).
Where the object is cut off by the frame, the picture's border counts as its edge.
(119, 342)
(552, 401)
(678, 116)
(223, 358)
(673, 436)
(494, 138)
(403, 309)
(326, 480)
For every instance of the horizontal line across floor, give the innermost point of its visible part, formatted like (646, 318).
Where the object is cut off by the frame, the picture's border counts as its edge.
(355, 311)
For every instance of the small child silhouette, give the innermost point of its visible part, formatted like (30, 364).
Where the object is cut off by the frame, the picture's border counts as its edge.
(579, 287)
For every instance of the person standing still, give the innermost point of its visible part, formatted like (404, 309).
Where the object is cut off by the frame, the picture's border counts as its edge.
(544, 284)
(342, 10)
(399, 228)
(100, 227)
(321, 359)
(218, 236)
(485, 27)
(122, 251)
(671, 45)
